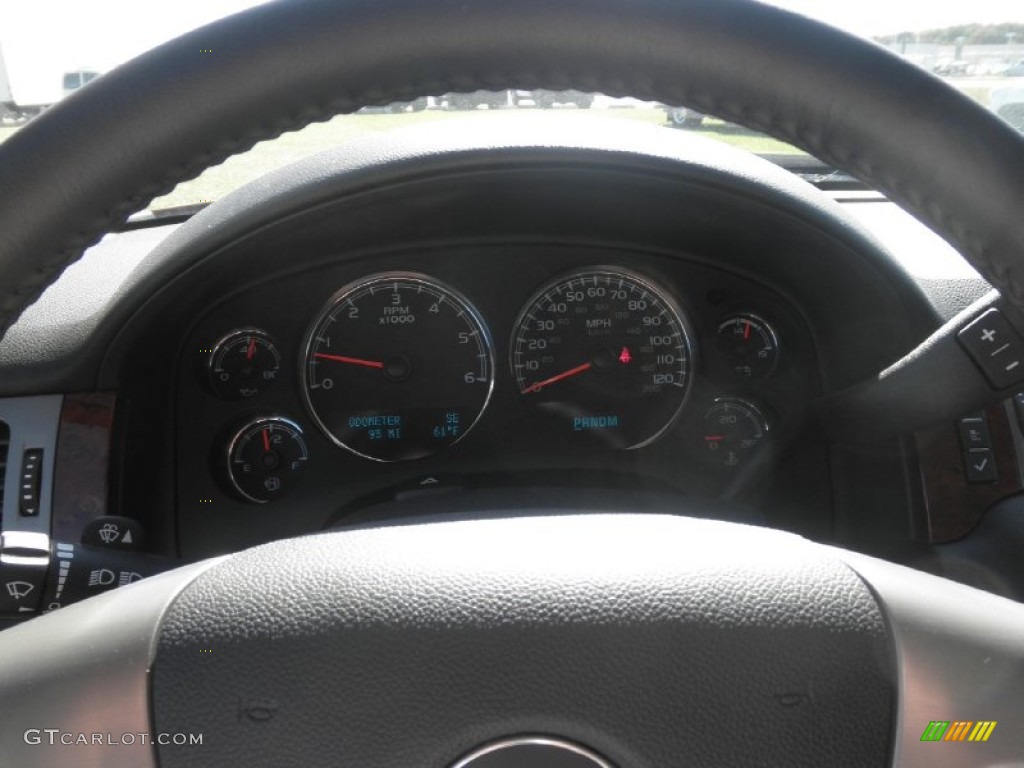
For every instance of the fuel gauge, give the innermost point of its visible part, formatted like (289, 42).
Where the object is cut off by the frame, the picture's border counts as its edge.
(265, 458)
(749, 344)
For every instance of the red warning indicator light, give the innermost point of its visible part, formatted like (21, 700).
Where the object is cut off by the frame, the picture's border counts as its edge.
(624, 356)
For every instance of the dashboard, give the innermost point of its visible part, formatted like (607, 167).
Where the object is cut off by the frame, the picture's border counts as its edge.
(427, 326)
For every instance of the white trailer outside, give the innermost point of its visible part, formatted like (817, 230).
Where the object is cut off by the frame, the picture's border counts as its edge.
(5, 87)
(27, 97)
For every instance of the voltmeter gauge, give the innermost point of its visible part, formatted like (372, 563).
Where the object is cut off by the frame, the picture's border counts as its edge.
(733, 431)
(749, 344)
(243, 364)
(265, 458)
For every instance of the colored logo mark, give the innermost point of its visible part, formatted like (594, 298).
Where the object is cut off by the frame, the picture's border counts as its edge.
(958, 730)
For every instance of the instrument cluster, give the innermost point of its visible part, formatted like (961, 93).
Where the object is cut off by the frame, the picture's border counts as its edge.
(398, 366)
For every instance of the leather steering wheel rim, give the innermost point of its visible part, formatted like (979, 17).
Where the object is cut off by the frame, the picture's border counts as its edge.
(99, 156)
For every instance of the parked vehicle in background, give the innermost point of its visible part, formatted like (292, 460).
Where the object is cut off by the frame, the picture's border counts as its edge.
(1008, 103)
(952, 67)
(570, 98)
(15, 104)
(1017, 70)
(75, 79)
(542, 98)
(684, 117)
(23, 98)
(398, 107)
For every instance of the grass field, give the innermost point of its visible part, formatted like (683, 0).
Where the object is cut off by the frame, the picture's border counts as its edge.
(267, 156)
(219, 180)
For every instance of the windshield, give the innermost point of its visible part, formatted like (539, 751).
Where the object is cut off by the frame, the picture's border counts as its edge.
(977, 46)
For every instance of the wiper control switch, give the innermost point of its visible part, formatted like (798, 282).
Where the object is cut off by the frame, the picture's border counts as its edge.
(24, 559)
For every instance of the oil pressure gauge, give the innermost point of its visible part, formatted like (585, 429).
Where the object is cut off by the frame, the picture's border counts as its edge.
(265, 458)
(243, 364)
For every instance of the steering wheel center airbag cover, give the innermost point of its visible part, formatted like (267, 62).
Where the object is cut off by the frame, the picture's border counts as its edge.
(648, 638)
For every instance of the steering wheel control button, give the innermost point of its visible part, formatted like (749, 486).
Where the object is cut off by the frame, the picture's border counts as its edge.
(265, 458)
(30, 482)
(976, 443)
(539, 752)
(974, 432)
(996, 347)
(113, 532)
(980, 466)
(24, 559)
(243, 364)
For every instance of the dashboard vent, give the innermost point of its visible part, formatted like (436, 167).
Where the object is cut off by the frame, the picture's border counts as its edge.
(5, 440)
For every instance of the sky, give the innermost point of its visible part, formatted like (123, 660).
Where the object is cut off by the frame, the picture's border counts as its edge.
(41, 39)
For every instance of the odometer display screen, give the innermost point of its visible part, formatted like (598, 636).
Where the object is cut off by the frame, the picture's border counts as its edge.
(397, 366)
(605, 354)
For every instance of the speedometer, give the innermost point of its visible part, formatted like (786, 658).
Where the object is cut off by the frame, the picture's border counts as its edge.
(606, 353)
(397, 366)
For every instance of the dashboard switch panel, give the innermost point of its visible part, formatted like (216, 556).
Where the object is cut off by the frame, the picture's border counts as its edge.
(996, 347)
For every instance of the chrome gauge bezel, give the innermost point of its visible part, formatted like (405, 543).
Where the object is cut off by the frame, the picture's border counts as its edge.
(754, 412)
(246, 429)
(361, 284)
(663, 295)
(769, 329)
(219, 348)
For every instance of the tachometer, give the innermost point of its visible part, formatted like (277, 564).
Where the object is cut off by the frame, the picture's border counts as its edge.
(397, 366)
(606, 353)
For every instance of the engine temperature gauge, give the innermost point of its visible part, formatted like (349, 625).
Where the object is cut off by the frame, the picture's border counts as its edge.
(749, 344)
(243, 364)
(265, 458)
(733, 430)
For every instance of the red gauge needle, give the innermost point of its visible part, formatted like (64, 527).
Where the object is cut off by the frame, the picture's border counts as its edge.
(266, 440)
(252, 348)
(714, 438)
(564, 375)
(349, 360)
(746, 330)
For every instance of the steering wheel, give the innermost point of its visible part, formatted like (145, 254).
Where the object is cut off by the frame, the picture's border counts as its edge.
(562, 641)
